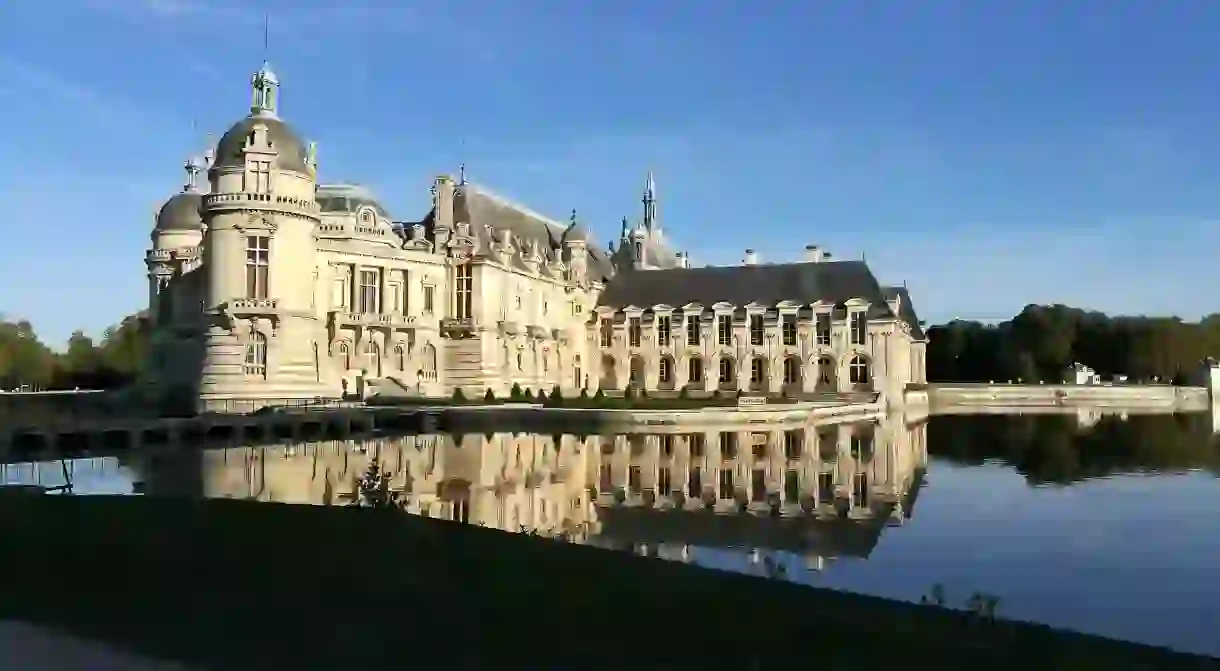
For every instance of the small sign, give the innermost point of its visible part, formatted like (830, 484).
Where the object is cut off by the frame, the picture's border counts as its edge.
(751, 401)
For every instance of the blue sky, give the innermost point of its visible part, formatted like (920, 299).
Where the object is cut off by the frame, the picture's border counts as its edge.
(990, 154)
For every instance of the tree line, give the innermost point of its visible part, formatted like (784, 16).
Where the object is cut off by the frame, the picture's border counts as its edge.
(114, 360)
(1040, 343)
(1037, 345)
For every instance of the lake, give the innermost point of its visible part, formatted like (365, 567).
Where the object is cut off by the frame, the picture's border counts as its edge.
(1104, 524)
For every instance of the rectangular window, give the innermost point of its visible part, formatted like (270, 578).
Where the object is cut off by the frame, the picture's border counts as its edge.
(260, 177)
(696, 440)
(667, 445)
(822, 326)
(792, 444)
(859, 327)
(792, 486)
(728, 445)
(726, 483)
(605, 478)
(369, 279)
(663, 334)
(789, 330)
(634, 479)
(724, 330)
(429, 294)
(756, 330)
(258, 264)
(338, 298)
(758, 486)
(463, 291)
(694, 483)
(692, 331)
(633, 332)
(826, 487)
(663, 481)
(607, 332)
(395, 302)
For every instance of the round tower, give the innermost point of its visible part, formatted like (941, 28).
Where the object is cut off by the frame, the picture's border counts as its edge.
(263, 328)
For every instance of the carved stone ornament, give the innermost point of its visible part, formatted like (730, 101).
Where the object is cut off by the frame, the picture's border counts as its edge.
(257, 222)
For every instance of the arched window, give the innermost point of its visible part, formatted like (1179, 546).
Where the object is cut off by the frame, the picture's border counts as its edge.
(344, 354)
(666, 371)
(520, 361)
(792, 371)
(429, 362)
(256, 355)
(694, 369)
(400, 358)
(757, 371)
(858, 370)
(726, 370)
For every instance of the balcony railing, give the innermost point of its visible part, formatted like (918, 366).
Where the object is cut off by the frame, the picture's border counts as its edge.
(223, 201)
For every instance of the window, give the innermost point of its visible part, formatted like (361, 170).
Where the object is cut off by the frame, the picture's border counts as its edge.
(792, 444)
(344, 354)
(338, 295)
(429, 294)
(859, 490)
(463, 291)
(260, 177)
(789, 330)
(667, 444)
(861, 447)
(666, 370)
(577, 376)
(633, 332)
(634, 479)
(757, 371)
(822, 327)
(576, 309)
(663, 331)
(368, 291)
(756, 329)
(758, 486)
(724, 330)
(726, 370)
(545, 307)
(859, 327)
(858, 370)
(792, 486)
(696, 442)
(400, 358)
(165, 301)
(692, 331)
(826, 487)
(728, 445)
(792, 371)
(726, 483)
(258, 257)
(520, 361)
(256, 355)
(694, 482)
(663, 481)
(607, 332)
(694, 370)
(395, 302)
(605, 478)
(639, 251)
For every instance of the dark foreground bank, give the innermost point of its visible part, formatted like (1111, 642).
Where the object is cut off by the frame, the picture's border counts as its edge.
(236, 585)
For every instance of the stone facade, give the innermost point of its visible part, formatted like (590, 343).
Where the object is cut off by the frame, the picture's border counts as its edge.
(266, 285)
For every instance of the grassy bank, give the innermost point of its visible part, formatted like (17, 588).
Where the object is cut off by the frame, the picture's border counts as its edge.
(235, 585)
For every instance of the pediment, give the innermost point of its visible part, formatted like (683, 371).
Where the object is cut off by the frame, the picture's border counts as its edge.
(721, 305)
(822, 306)
(856, 302)
(661, 307)
(692, 307)
(753, 306)
(788, 305)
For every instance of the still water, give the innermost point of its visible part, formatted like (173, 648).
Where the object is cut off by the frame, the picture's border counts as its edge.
(1109, 526)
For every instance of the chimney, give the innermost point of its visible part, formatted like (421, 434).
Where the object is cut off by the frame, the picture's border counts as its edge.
(814, 255)
(751, 258)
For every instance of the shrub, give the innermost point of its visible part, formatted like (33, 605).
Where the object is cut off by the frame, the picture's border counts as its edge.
(584, 393)
(489, 396)
(684, 393)
(556, 396)
(599, 396)
(541, 396)
(630, 392)
(458, 395)
(514, 394)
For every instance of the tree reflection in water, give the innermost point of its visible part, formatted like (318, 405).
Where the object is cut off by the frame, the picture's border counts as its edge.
(1056, 449)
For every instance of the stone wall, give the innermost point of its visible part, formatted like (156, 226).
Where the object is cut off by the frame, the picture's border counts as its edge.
(1129, 396)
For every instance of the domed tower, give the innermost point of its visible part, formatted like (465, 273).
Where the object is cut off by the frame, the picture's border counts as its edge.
(172, 291)
(263, 331)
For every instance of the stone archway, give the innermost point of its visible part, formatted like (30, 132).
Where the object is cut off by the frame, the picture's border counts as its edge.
(609, 374)
(637, 371)
(794, 378)
(667, 373)
(827, 374)
(726, 373)
(759, 374)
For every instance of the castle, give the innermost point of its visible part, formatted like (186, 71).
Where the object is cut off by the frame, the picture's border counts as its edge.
(268, 286)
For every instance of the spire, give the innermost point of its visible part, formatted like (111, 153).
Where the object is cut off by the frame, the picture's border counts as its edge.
(462, 175)
(192, 175)
(265, 85)
(626, 232)
(650, 205)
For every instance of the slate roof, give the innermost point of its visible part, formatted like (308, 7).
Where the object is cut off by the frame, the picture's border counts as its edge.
(766, 284)
(230, 149)
(181, 213)
(347, 198)
(906, 310)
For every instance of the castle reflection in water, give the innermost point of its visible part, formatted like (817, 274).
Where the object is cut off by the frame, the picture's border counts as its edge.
(818, 491)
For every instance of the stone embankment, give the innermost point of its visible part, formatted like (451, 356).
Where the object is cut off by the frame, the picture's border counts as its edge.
(1150, 397)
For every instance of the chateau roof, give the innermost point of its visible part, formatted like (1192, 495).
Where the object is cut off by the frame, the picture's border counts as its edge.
(906, 310)
(767, 284)
(347, 198)
(230, 149)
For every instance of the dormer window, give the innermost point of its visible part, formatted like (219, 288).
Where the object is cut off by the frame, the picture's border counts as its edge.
(859, 327)
(639, 251)
(258, 178)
